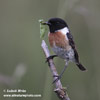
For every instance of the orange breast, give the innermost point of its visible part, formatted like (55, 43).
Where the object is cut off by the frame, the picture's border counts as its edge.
(58, 39)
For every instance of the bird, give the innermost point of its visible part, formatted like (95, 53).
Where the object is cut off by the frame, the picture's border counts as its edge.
(62, 43)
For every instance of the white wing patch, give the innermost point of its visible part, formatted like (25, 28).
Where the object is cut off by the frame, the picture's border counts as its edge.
(64, 31)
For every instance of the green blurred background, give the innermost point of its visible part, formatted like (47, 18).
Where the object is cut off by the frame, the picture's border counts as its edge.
(22, 61)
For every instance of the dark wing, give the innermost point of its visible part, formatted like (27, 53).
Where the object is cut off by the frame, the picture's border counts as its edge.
(71, 42)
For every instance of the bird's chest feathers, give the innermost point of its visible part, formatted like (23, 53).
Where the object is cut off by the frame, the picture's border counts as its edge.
(58, 39)
(60, 44)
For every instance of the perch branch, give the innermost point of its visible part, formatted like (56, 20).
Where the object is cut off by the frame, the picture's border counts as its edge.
(59, 90)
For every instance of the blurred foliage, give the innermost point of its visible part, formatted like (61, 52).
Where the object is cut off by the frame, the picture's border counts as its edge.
(22, 62)
(42, 28)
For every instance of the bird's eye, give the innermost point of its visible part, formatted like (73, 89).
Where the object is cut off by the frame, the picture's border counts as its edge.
(57, 22)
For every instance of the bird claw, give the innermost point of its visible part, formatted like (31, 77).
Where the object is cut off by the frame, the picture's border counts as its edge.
(50, 57)
(58, 78)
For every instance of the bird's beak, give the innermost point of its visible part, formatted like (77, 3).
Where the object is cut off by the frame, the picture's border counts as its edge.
(46, 23)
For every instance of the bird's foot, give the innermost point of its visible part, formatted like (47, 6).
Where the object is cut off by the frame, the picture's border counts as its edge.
(50, 57)
(58, 78)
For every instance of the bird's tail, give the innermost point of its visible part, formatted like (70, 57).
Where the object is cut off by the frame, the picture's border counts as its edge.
(81, 67)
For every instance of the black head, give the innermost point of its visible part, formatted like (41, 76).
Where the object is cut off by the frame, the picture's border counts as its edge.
(56, 24)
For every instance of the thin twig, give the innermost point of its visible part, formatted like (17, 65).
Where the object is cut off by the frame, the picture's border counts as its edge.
(59, 90)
